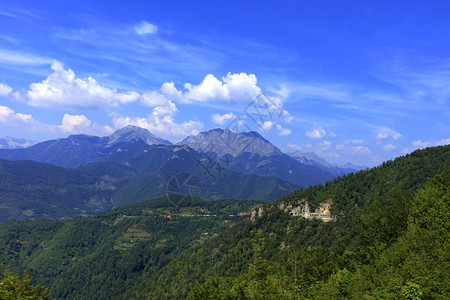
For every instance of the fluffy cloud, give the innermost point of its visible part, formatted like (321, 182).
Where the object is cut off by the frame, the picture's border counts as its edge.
(222, 119)
(385, 133)
(81, 124)
(73, 123)
(5, 90)
(317, 133)
(69, 124)
(283, 131)
(161, 123)
(63, 89)
(153, 98)
(396, 136)
(13, 119)
(145, 27)
(265, 126)
(232, 88)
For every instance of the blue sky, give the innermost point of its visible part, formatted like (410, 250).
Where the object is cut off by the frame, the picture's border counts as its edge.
(353, 81)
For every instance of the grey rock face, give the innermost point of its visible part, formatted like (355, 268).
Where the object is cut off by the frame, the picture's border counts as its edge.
(226, 142)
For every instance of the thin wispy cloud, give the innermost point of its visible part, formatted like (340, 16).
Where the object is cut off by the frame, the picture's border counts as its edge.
(8, 57)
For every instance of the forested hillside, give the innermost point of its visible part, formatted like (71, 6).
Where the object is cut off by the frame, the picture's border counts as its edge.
(390, 241)
(100, 257)
(38, 190)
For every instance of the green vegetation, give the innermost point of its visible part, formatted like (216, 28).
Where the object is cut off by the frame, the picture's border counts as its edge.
(103, 256)
(15, 287)
(390, 241)
(410, 263)
(38, 190)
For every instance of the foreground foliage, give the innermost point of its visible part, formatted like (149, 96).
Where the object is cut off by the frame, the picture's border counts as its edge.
(13, 286)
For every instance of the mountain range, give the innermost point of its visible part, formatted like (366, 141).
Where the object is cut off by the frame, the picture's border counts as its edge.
(312, 159)
(388, 239)
(96, 174)
(8, 142)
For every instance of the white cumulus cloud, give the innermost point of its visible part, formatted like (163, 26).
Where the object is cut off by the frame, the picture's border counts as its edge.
(63, 89)
(13, 119)
(222, 119)
(316, 133)
(5, 90)
(161, 122)
(232, 88)
(69, 124)
(81, 124)
(74, 123)
(386, 133)
(265, 126)
(283, 131)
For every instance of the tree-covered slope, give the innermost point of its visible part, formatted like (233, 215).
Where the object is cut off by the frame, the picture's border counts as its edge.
(37, 190)
(100, 257)
(390, 240)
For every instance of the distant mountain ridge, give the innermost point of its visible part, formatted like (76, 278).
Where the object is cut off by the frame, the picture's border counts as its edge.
(249, 152)
(80, 149)
(312, 159)
(131, 172)
(8, 142)
(245, 152)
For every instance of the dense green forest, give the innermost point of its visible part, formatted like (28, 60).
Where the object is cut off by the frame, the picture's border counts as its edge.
(102, 256)
(390, 240)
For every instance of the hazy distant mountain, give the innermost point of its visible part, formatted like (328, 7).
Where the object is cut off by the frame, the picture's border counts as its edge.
(8, 142)
(249, 152)
(76, 150)
(310, 158)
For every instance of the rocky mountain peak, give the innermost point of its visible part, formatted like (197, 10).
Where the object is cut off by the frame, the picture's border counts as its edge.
(135, 133)
(225, 141)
